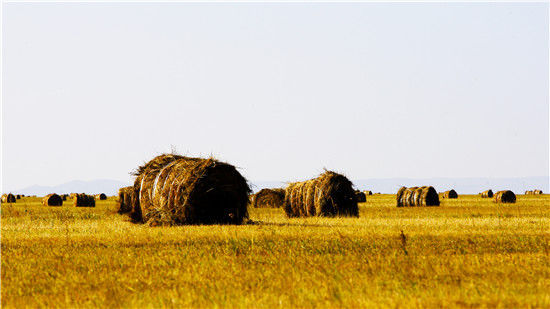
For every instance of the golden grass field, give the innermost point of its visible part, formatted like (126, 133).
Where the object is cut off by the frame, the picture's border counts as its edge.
(468, 252)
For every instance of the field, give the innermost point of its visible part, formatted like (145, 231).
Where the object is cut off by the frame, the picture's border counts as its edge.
(468, 252)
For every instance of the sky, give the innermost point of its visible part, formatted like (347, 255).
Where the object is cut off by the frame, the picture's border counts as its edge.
(371, 90)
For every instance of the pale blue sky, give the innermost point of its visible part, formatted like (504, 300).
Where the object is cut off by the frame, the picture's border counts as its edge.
(372, 90)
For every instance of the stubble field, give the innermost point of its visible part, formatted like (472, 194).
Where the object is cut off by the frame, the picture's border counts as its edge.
(467, 252)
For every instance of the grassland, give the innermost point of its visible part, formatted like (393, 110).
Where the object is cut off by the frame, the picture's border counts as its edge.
(468, 252)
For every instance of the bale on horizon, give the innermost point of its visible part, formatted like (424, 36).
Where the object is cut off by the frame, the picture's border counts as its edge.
(101, 196)
(125, 196)
(367, 192)
(449, 194)
(52, 199)
(417, 196)
(173, 190)
(8, 198)
(361, 197)
(83, 200)
(504, 196)
(269, 198)
(487, 194)
(328, 195)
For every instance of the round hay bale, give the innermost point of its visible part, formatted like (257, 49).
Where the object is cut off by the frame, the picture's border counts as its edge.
(487, 194)
(125, 196)
(449, 194)
(8, 198)
(174, 190)
(537, 191)
(101, 196)
(360, 196)
(528, 192)
(18, 197)
(417, 196)
(52, 200)
(328, 195)
(84, 200)
(269, 198)
(505, 196)
(367, 192)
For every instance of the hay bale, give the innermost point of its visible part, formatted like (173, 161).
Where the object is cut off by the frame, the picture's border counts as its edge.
(125, 196)
(269, 198)
(505, 196)
(8, 198)
(18, 197)
(83, 200)
(328, 195)
(537, 191)
(417, 196)
(101, 196)
(487, 194)
(360, 196)
(367, 192)
(449, 194)
(528, 192)
(52, 200)
(173, 190)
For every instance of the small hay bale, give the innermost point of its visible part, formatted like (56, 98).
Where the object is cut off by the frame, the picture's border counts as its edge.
(269, 198)
(8, 198)
(528, 192)
(101, 196)
(52, 200)
(367, 192)
(328, 195)
(505, 196)
(417, 196)
(18, 197)
(360, 196)
(84, 200)
(125, 196)
(449, 194)
(537, 191)
(175, 190)
(487, 194)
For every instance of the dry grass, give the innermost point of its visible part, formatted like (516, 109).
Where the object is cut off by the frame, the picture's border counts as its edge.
(468, 252)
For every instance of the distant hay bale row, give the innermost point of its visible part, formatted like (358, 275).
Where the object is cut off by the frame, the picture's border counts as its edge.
(360, 196)
(328, 195)
(125, 196)
(52, 200)
(505, 196)
(101, 196)
(83, 200)
(449, 194)
(487, 194)
(269, 198)
(417, 196)
(173, 189)
(533, 192)
(8, 198)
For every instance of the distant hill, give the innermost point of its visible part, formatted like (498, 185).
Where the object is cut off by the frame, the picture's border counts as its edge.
(107, 186)
(461, 185)
(383, 185)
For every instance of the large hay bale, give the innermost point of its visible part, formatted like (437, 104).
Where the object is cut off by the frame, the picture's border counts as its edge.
(417, 196)
(449, 194)
(328, 195)
(52, 200)
(8, 198)
(487, 194)
(505, 196)
(360, 196)
(125, 196)
(269, 198)
(367, 192)
(101, 196)
(83, 200)
(173, 189)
